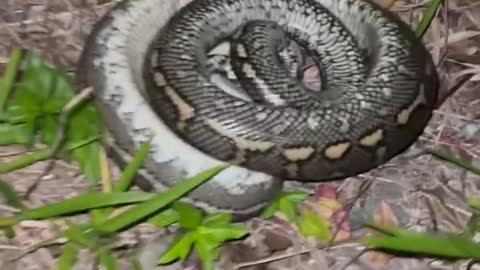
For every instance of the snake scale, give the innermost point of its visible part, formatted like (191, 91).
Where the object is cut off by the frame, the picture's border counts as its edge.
(148, 63)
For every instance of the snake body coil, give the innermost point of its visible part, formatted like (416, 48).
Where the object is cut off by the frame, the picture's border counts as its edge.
(148, 61)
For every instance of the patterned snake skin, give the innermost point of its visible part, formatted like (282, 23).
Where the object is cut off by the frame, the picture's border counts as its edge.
(148, 62)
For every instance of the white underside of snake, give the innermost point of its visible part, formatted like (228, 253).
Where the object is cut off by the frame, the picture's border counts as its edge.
(151, 84)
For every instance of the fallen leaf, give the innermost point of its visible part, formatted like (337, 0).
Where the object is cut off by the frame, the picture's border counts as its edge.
(386, 3)
(326, 205)
(326, 191)
(383, 215)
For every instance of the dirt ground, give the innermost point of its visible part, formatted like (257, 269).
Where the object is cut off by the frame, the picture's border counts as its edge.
(415, 191)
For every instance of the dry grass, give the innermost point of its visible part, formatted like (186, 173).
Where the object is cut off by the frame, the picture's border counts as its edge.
(423, 192)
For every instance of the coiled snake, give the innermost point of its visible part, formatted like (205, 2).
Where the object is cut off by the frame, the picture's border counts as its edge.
(148, 63)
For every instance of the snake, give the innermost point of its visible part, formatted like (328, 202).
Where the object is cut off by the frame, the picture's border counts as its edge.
(152, 66)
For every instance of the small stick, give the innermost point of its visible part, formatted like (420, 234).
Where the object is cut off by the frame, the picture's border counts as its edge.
(60, 136)
(271, 259)
(354, 258)
(349, 206)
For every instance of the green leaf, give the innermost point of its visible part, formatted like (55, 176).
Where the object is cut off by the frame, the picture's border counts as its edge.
(15, 134)
(223, 233)
(85, 202)
(98, 216)
(190, 217)
(15, 114)
(310, 224)
(7, 222)
(217, 220)
(62, 91)
(180, 250)
(9, 195)
(207, 250)
(42, 94)
(446, 246)
(165, 218)
(296, 196)
(288, 208)
(68, 258)
(144, 209)
(28, 103)
(474, 203)
(107, 259)
(24, 160)
(48, 130)
(41, 80)
(84, 123)
(286, 203)
(269, 211)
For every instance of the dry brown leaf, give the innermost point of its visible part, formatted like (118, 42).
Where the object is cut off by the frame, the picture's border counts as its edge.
(385, 215)
(376, 260)
(386, 3)
(326, 205)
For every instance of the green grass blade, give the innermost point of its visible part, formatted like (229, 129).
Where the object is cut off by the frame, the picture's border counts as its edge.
(68, 258)
(85, 202)
(7, 222)
(428, 17)
(24, 160)
(449, 246)
(8, 81)
(30, 158)
(132, 168)
(144, 209)
(77, 235)
(164, 218)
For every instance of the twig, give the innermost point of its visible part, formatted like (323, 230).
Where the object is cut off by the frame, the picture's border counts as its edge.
(349, 206)
(453, 89)
(60, 136)
(471, 264)
(447, 26)
(271, 259)
(354, 258)
(43, 244)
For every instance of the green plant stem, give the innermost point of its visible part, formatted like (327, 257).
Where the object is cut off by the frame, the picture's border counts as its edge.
(132, 168)
(6, 84)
